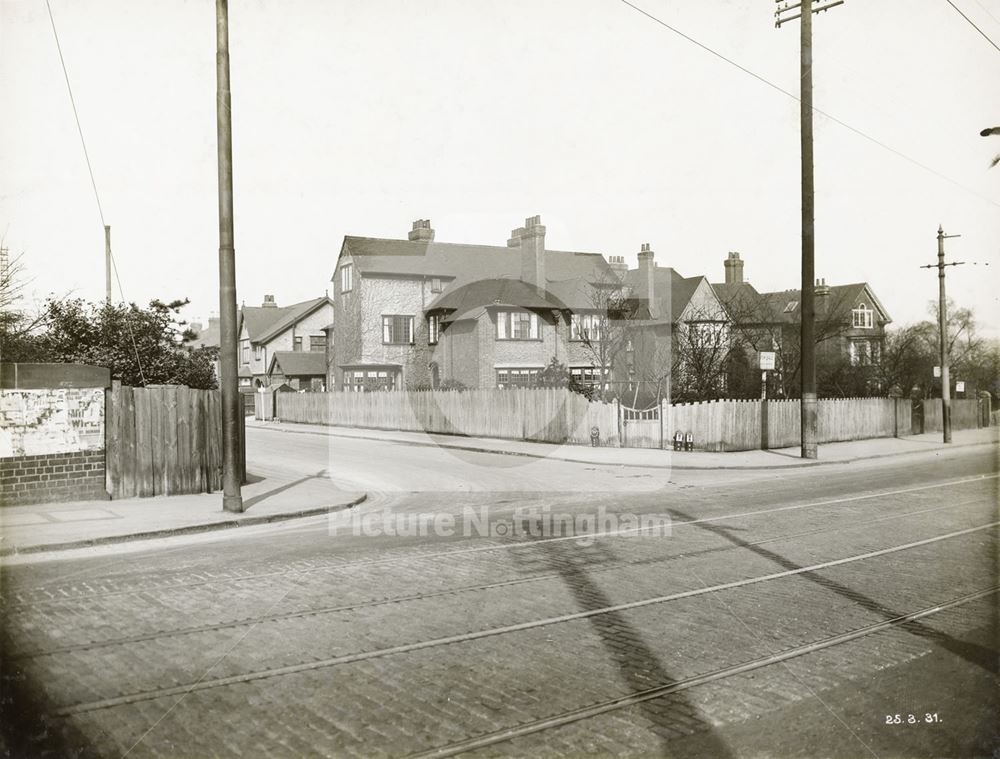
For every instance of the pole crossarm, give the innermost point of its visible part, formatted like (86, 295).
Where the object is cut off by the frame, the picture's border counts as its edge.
(778, 20)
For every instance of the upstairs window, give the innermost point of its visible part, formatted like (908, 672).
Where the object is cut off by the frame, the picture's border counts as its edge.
(397, 329)
(296, 343)
(585, 327)
(436, 284)
(517, 325)
(862, 317)
(346, 278)
(433, 329)
(246, 352)
(317, 342)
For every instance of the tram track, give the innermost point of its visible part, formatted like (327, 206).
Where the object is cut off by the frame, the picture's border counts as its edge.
(658, 691)
(13, 607)
(457, 590)
(205, 683)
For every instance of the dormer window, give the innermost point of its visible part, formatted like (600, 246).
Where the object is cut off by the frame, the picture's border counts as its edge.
(862, 317)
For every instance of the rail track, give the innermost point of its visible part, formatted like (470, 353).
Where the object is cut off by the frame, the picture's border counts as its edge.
(472, 588)
(61, 595)
(206, 683)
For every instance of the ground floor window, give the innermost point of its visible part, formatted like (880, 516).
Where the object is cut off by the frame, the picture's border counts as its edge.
(368, 380)
(516, 377)
(586, 375)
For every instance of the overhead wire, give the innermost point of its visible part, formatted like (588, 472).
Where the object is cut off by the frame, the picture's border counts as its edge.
(93, 183)
(795, 97)
(973, 24)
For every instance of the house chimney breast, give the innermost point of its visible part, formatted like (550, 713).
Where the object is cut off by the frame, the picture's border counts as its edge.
(734, 269)
(531, 240)
(821, 288)
(618, 266)
(269, 302)
(647, 276)
(421, 231)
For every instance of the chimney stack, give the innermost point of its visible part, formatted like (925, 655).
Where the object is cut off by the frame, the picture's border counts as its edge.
(269, 302)
(531, 240)
(618, 266)
(421, 231)
(734, 269)
(647, 276)
(821, 288)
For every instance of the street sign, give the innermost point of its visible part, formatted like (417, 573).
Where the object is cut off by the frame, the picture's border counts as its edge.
(937, 371)
(767, 360)
(959, 387)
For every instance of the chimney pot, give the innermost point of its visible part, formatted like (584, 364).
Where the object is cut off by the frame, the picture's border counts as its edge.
(421, 231)
(734, 268)
(269, 302)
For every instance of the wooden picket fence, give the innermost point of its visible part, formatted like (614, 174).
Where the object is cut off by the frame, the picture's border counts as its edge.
(551, 415)
(736, 425)
(965, 414)
(163, 440)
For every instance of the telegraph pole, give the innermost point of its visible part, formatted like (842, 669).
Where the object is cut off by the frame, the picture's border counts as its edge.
(943, 332)
(809, 417)
(107, 263)
(232, 498)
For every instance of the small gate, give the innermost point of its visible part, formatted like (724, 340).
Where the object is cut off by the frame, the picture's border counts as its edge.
(641, 428)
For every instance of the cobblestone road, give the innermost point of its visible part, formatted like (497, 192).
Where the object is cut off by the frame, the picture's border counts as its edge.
(791, 615)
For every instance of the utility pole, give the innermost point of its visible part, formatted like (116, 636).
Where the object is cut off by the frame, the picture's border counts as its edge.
(943, 330)
(232, 498)
(809, 411)
(107, 263)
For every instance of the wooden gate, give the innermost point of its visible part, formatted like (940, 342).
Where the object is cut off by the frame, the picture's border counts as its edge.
(641, 428)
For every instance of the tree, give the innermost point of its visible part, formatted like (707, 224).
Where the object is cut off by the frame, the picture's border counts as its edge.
(140, 346)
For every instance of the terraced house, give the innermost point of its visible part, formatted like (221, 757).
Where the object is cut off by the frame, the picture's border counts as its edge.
(421, 313)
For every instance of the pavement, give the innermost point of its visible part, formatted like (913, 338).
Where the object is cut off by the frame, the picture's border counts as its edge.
(647, 458)
(300, 486)
(64, 526)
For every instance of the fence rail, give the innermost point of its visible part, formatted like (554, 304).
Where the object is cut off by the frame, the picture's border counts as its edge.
(550, 415)
(163, 440)
(555, 415)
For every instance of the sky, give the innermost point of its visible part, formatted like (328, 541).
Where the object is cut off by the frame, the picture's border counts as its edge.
(356, 117)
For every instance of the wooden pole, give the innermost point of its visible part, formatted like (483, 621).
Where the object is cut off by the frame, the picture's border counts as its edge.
(232, 498)
(807, 351)
(943, 327)
(107, 263)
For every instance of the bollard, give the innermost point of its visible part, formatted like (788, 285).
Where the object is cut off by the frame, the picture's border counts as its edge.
(689, 442)
(595, 437)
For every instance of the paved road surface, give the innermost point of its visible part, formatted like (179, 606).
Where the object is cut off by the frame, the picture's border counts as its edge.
(791, 613)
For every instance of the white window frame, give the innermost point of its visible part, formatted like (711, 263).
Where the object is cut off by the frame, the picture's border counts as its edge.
(585, 327)
(505, 325)
(433, 329)
(346, 278)
(436, 284)
(862, 317)
(389, 329)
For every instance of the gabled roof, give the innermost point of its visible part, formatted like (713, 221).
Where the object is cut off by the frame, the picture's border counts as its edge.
(298, 363)
(784, 306)
(264, 323)
(565, 271)
(672, 290)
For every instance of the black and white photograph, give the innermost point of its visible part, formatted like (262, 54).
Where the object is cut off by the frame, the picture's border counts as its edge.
(500, 378)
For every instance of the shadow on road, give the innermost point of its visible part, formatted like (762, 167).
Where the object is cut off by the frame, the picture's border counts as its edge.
(250, 502)
(973, 653)
(672, 716)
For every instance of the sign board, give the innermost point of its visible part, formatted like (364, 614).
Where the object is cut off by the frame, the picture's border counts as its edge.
(937, 371)
(767, 360)
(959, 387)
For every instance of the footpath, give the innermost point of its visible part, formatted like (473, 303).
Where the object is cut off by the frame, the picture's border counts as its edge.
(81, 524)
(778, 458)
(278, 497)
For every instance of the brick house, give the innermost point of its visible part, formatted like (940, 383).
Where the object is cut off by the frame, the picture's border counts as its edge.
(268, 329)
(418, 313)
(850, 319)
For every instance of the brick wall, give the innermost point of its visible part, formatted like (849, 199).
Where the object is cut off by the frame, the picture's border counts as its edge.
(52, 477)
